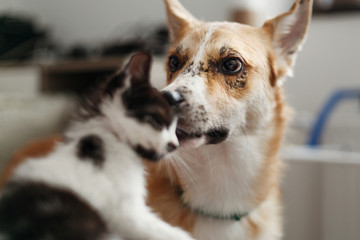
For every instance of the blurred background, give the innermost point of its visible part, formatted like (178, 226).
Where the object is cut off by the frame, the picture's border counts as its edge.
(52, 51)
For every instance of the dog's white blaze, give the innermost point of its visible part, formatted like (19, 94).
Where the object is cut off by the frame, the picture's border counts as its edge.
(197, 58)
(201, 51)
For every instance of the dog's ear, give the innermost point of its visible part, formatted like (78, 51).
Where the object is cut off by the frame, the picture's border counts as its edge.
(288, 32)
(179, 19)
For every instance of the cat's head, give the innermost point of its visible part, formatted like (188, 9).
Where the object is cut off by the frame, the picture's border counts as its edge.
(135, 111)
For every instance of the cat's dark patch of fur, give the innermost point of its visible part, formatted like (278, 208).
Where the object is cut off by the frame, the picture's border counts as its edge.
(33, 211)
(148, 154)
(116, 82)
(91, 148)
(91, 101)
(146, 100)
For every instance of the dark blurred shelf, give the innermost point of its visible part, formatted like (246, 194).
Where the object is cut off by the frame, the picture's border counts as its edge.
(83, 65)
(76, 75)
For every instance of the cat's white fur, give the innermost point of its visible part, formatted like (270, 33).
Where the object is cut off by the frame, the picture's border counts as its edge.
(116, 190)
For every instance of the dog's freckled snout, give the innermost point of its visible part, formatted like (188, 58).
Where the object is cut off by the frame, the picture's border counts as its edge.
(174, 98)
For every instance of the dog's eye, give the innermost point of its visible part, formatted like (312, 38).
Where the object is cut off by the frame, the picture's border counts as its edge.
(174, 63)
(232, 66)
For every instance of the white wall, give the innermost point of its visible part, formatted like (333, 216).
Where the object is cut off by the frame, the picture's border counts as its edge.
(321, 199)
(329, 61)
(94, 21)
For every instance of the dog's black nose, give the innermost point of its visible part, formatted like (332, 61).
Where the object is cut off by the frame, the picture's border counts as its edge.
(174, 98)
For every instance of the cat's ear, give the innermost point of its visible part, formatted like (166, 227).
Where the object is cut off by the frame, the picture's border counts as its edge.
(135, 73)
(138, 68)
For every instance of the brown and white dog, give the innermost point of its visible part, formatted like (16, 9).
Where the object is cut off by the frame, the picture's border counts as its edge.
(225, 81)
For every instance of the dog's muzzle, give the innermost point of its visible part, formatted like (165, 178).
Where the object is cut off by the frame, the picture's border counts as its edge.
(192, 121)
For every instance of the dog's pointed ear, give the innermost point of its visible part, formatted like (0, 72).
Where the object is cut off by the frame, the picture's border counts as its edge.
(179, 19)
(139, 68)
(288, 32)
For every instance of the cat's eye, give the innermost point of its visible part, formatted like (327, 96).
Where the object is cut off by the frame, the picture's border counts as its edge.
(232, 66)
(174, 63)
(153, 121)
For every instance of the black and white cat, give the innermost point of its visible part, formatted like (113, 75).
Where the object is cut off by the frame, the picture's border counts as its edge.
(92, 186)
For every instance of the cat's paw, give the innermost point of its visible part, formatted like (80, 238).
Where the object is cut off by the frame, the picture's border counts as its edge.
(178, 234)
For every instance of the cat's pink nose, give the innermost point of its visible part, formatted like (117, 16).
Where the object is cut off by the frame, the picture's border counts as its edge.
(171, 147)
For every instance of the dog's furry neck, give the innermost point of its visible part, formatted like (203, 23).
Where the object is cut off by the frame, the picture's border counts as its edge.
(211, 170)
(233, 176)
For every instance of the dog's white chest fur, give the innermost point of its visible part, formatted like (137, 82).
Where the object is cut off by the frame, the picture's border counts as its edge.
(219, 179)
(210, 173)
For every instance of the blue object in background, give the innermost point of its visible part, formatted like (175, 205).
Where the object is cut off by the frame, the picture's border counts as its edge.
(320, 123)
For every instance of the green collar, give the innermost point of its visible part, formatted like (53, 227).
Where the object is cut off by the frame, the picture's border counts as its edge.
(233, 217)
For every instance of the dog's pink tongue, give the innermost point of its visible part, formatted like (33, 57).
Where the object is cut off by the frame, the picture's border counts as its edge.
(193, 142)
